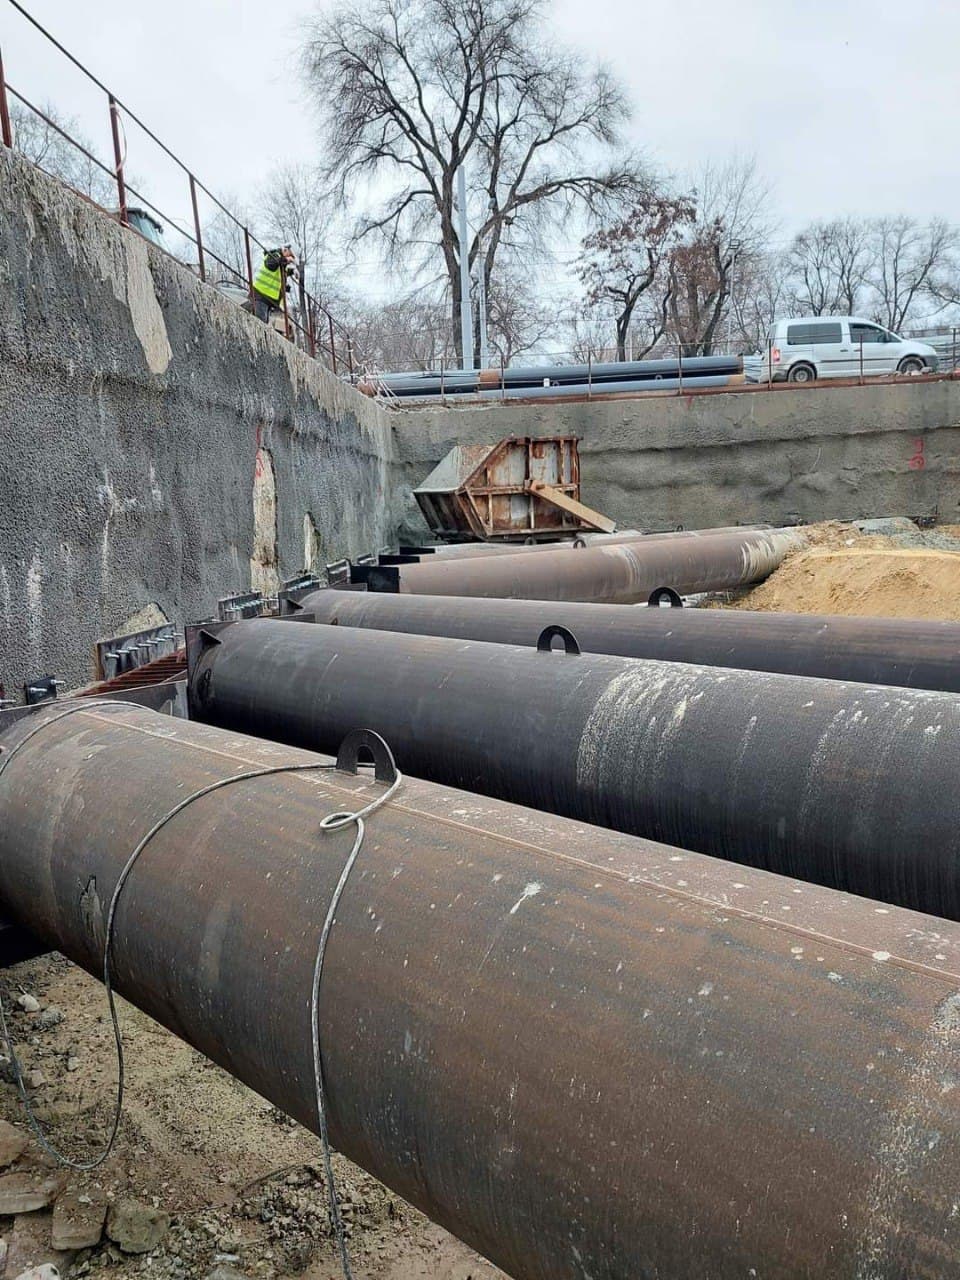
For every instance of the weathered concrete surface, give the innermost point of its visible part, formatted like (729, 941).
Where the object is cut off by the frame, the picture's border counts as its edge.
(698, 461)
(133, 403)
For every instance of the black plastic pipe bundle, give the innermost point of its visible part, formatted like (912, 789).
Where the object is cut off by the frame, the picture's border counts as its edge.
(847, 785)
(607, 375)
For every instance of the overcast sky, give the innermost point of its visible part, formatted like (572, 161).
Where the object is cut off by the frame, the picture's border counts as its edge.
(848, 107)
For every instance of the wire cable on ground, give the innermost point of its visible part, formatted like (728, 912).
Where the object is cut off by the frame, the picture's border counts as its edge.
(332, 822)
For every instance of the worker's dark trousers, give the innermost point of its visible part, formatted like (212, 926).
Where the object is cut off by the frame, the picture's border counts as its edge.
(263, 307)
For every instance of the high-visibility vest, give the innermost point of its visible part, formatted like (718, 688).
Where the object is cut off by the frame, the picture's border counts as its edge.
(268, 282)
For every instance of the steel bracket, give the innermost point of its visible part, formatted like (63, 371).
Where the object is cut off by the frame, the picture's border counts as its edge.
(556, 632)
(662, 596)
(369, 744)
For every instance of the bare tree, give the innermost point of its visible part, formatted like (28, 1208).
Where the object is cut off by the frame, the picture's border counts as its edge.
(623, 260)
(758, 294)
(49, 150)
(828, 263)
(909, 263)
(224, 244)
(732, 228)
(411, 333)
(411, 90)
(518, 321)
(293, 209)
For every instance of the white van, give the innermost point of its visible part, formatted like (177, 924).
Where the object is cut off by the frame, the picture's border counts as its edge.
(809, 347)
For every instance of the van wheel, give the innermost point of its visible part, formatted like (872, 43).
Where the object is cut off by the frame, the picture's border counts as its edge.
(911, 364)
(802, 373)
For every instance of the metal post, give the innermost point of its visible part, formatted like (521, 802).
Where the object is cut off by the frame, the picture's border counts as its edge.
(466, 313)
(350, 355)
(443, 397)
(333, 347)
(680, 366)
(283, 299)
(196, 226)
(118, 157)
(503, 378)
(861, 359)
(246, 243)
(769, 365)
(482, 305)
(589, 373)
(6, 128)
(304, 317)
(954, 346)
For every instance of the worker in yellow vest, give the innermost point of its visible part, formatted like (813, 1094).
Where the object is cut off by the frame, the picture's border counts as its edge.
(270, 279)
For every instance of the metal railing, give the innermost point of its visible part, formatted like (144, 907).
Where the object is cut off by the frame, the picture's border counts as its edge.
(311, 325)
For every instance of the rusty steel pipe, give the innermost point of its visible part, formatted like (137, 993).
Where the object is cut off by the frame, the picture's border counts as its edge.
(847, 785)
(469, 550)
(619, 574)
(909, 652)
(583, 1053)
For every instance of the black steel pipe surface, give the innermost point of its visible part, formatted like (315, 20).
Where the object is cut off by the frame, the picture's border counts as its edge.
(614, 574)
(848, 785)
(583, 1053)
(912, 653)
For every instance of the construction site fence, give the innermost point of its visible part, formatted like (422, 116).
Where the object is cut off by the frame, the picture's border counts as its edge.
(305, 320)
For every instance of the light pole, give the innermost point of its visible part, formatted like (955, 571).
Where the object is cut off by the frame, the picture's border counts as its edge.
(466, 308)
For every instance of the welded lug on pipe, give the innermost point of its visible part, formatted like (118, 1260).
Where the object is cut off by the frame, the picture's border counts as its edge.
(582, 1053)
(848, 785)
(610, 572)
(913, 653)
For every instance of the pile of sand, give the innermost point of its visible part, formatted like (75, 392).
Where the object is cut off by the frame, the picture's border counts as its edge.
(870, 578)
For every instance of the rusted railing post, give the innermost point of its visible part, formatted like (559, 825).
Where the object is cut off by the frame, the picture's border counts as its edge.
(196, 226)
(306, 312)
(6, 128)
(333, 344)
(118, 158)
(861, 360)
(246, 245)
(283, 299)
(350, 355)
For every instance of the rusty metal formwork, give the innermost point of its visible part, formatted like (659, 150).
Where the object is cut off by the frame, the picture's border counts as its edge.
(519, 488)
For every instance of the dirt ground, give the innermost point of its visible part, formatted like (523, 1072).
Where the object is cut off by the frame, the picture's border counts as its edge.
(241, 1182)
(908, 575)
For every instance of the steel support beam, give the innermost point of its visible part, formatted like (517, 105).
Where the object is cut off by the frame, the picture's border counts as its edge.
(848, 785)
(909, 652)
(582, 1053)
(621, 573)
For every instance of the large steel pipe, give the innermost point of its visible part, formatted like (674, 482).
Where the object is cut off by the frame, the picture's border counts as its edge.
(620, 574)
(909, 652)
(585, 1054)
(468, 550)
(847, 785)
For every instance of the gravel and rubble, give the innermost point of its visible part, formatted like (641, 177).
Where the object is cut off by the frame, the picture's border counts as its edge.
(208, 1180)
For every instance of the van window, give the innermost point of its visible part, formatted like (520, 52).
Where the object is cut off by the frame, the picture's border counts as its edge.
(804, 335)
(868, 333)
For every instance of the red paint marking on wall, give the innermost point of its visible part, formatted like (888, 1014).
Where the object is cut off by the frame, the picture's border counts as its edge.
(919, 460)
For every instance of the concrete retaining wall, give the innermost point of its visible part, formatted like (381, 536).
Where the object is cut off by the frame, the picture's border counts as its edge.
(796, 453)
(133, 403)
